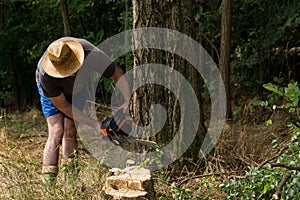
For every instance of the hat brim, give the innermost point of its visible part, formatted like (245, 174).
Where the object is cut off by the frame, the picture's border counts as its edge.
(68, 68)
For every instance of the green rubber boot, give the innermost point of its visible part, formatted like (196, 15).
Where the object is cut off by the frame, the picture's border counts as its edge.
(49, 176)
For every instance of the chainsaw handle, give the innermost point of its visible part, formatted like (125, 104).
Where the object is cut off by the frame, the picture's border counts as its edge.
(104, 132)
(112, 126)
(105, 126)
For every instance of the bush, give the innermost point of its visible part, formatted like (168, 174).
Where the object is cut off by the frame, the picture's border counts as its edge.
(278, 177)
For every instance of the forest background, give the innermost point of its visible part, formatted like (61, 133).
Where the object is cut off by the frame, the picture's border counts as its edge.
(255, 43)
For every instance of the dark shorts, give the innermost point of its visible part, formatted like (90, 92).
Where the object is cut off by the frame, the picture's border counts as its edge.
(49, 108)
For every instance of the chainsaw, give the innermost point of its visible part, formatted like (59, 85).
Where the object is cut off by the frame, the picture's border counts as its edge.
(119, 130)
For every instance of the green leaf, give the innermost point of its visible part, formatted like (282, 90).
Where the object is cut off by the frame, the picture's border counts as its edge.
(266, 189)
(292, 110)
(236, 110)
(273, 88)
(288, 105)
(278, 80)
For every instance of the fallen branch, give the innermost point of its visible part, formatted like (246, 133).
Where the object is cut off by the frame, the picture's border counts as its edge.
(274, 156)
(291, 167)
(202, 176)
(277, 194)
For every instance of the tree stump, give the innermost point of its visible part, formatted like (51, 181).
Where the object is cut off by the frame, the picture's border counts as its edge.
(129, 183)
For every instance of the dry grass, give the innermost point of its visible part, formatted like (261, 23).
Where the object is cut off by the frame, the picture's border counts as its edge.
(242, 145)
(22, 140)
(23, 136)
(239, 146)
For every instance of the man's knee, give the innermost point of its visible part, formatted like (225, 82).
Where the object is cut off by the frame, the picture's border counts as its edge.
(56, 127)
(55, 135)
(69, 129)
(57, 132)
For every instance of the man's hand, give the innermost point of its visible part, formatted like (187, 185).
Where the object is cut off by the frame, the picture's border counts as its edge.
(97, 127)
(125, 108)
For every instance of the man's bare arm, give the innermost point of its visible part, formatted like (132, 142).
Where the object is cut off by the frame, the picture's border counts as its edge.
(65, 107)
(123, 85)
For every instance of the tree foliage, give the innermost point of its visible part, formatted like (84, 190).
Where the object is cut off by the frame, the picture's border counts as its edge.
(23, 38)
(265, 34)
(265, 40)
(26, 29)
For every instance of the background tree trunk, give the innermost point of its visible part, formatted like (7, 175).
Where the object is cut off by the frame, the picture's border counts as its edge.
(224, 62)
(1, 14)
(16, 85)
(65, 17)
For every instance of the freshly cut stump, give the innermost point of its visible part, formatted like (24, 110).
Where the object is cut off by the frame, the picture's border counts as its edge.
(129, 183)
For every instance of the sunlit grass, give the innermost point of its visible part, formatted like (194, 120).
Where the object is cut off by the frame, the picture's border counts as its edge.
(22, 139)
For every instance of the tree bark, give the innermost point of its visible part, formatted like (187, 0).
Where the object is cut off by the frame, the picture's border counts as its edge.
(146, 14)
(177, 15)
(183, 20)
(225, 46)
(65, 17)
(126, 27)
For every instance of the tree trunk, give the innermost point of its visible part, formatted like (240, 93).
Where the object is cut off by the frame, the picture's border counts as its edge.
(16, 81)
(177, 15)
(224, 62)
(81, 25)
(182, 20)
(126, 27)
(146, 14)
(65, 17)
(1, 14)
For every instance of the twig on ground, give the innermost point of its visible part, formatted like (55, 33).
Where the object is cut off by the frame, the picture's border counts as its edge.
(201, 176)
(277, 194)
(291, 167)
(274, 156)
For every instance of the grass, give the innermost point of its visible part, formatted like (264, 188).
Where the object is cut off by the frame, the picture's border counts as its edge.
(23, 136)
(22, 139)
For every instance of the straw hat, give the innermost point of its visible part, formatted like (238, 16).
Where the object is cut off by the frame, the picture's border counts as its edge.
(63, 58)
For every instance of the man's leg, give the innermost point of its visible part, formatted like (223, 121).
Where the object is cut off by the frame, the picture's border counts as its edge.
(69, 150)
(56, 132)
(51, 150)
(69, 142)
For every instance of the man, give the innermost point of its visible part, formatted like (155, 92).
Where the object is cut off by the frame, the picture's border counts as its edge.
(57, 70)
